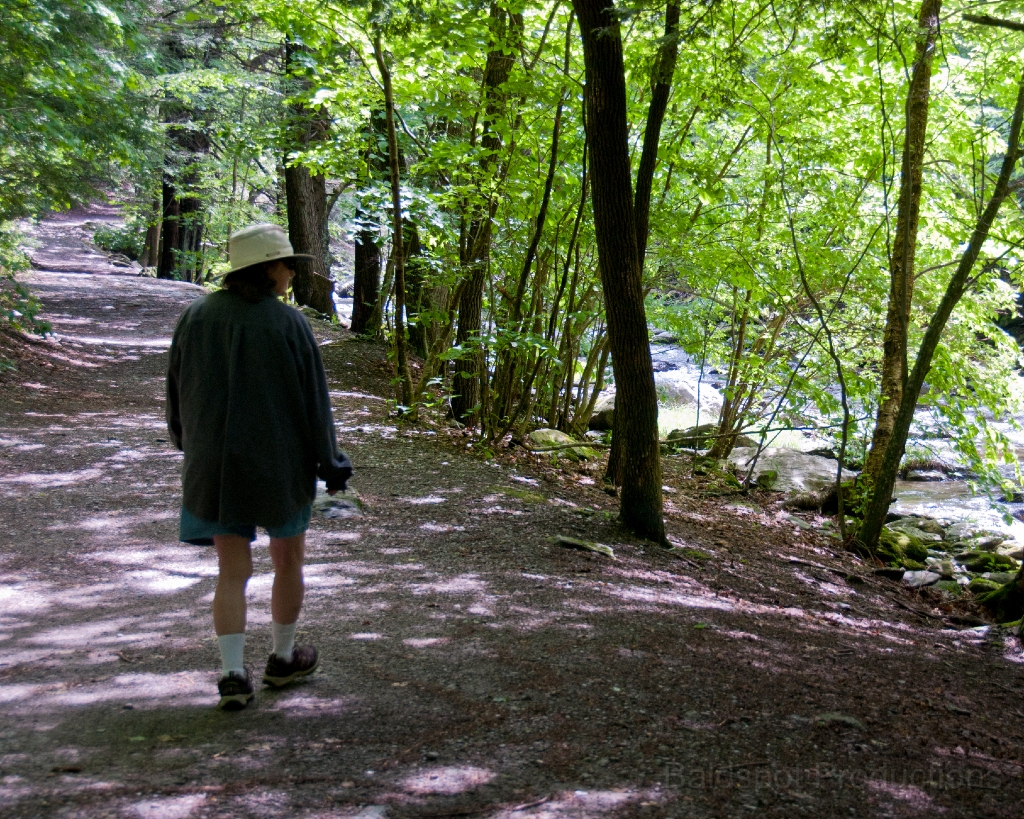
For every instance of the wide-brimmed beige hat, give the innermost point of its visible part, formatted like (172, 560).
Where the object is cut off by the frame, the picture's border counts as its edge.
(260, 243)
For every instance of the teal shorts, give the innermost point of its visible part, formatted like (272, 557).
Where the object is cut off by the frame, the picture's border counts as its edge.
(200, 532)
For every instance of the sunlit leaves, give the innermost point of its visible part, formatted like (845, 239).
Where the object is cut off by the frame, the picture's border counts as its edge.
(66, 107)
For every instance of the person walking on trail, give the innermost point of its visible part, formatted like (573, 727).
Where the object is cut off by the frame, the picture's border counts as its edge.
(247, 403)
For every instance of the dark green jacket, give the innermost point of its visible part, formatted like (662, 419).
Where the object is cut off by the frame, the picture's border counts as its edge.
(247, 403)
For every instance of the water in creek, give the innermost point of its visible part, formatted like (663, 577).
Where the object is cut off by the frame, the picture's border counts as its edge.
(953, 500)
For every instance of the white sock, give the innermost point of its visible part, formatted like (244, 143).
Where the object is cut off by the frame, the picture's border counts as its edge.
(232, 649)
(284, 640)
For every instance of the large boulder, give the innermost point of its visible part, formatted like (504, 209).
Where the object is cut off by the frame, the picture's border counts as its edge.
(982, 585)
(676, 388)
(929, 525)
(1014, 550)
(795, 471)
(603, 416)
(679, 388)
(922, 578)
(549, 439)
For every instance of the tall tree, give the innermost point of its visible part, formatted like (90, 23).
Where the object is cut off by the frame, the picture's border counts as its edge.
(901, 260)
(405, 387)
(186, 142)
(475, 251)
(661, 88)
(621, 267)
(885, 478)
(183, 216)
(366, 279)
(367, 265)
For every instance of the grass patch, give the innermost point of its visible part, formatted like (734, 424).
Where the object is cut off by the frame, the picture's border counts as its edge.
(520, 494)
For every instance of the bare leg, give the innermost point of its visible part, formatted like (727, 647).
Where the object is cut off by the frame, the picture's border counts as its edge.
(235, 559)
(287, 554)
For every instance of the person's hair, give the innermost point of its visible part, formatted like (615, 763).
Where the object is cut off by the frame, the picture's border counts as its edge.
(252, 283)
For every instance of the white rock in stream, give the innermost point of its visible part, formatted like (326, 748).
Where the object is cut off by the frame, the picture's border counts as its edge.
(797, 471)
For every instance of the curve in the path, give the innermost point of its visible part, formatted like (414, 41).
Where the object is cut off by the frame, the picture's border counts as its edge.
(62, 242)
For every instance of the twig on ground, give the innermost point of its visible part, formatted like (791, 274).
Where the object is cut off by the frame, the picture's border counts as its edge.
(533, 804)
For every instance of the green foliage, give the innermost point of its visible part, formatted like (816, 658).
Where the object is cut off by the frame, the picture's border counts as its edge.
(19, 309)
(127, 240)
(69, 108)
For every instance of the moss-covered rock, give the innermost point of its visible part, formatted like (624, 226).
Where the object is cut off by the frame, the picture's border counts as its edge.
(966, 530)
(930, 526)
(889, 549)
(895, 546)
(1007, 602)
(915, 550)
(985, 542)
(975, 561)
(981, 585)
(915, 532)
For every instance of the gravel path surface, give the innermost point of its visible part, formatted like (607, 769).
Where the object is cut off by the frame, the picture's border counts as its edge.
(471, 666)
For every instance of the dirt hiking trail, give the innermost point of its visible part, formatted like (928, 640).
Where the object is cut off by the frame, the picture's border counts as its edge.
(471, 667)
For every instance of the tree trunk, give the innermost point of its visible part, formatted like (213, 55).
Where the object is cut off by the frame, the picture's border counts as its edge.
(191, 224)
(306, 199)
(661, 86)
(183, 214)
(367, 273)
(874, 516)
(171, 208)
(615, 228)
(417, 293)
(470, 369)
(470, 366)
(151, 249)
(901, 262)
(366, 286)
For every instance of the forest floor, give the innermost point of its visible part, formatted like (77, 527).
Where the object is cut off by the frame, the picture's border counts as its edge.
(471, 666)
